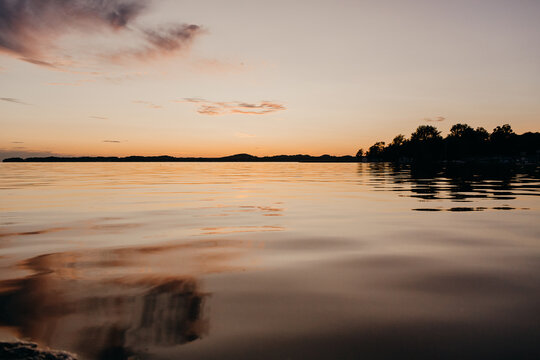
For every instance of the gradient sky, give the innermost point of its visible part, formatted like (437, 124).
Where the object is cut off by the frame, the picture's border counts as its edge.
(213, 78)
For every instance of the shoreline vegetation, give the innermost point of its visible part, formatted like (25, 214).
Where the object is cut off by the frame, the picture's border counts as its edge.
(425, 144)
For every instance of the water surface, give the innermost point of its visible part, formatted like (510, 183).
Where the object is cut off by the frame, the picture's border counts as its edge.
(271, 260)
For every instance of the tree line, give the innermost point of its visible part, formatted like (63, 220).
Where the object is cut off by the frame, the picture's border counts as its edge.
(463, 142)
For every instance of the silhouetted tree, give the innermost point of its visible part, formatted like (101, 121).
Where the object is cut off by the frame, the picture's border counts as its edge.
(461, 131)
(398, 141)
(464, 141)
(376, 150)
(360, 153)
(426, 133)
(482, 134)
(504, 131)
(393, 150)
(426, 143)
(502, 141)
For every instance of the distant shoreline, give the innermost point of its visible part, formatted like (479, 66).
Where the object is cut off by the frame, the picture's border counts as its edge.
(275, 159)
(166, 158)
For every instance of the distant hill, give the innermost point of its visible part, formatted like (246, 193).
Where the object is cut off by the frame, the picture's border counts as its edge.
(166, 158)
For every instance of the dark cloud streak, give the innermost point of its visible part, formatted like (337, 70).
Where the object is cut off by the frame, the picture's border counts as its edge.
(13, 100)
(29, 29)
(24, 24)
(161, 42)
(171, 39)
(436, 119)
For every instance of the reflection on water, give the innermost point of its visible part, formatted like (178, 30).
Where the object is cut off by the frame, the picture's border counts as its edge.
(104, 320)
(456, 182)
(266, 261)
(79, 301)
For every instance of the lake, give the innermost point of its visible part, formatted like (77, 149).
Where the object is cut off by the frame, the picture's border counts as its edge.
(271, 260)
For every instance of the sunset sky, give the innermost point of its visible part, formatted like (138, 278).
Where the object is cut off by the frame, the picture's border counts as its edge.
(214, 78)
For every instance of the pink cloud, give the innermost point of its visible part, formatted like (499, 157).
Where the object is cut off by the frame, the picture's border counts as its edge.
(234, 107)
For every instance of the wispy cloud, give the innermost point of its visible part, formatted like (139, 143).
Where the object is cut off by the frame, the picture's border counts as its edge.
(13, 100)
(99, 117)
(31, 29)
(242, 135)
(234, 107)
(112, 141)
(435, 119)
(160, 43)
(148, 104)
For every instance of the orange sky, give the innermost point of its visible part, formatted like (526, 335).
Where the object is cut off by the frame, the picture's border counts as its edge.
(214, 78)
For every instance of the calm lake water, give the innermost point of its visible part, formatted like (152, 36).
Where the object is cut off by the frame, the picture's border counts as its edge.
(271, 260)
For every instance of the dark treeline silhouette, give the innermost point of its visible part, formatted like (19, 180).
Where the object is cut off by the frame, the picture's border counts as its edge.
(462, 143)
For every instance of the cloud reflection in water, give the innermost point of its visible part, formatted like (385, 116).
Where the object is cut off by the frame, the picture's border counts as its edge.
(110, 304)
